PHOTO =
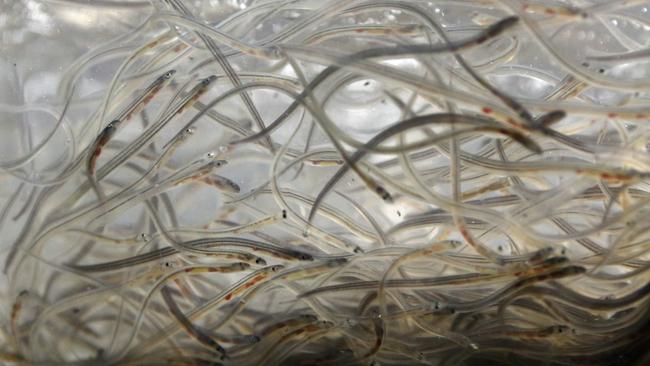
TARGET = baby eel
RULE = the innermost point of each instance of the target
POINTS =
(166, 116)
(449, 280)
(284, 326)
(405, 125)
(136, 105)
(190, 328)
(545, 186)
(236, 267)
(514, 287)
(176, 109)
(292, 274)
(254, 279)
(426, 251)
(162, 253)
(272, 250)
(492, 31)
(301, 332)
(227, 67)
